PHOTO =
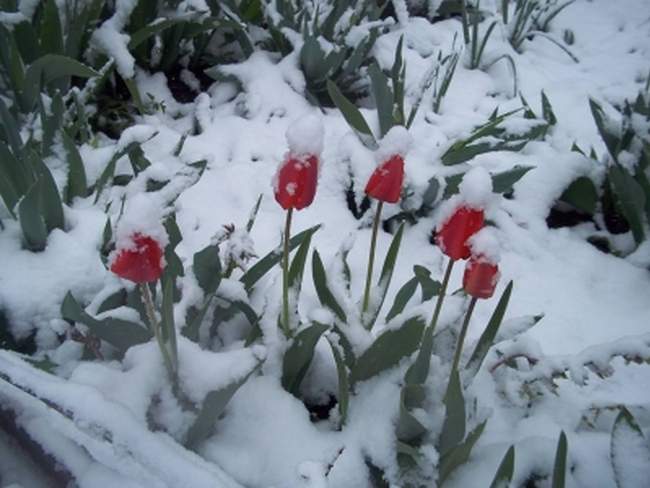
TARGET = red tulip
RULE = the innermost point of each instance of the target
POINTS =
(295, 186)
(385, 183)
(140, 263)
(453, 234)
(480, 277)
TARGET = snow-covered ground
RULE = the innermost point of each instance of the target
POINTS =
(592, 302)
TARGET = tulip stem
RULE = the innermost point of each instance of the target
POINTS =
(371, 257)
(285, 275)
(441, 297)
(150, 310)
(461, 337)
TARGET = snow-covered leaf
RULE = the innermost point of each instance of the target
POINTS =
(503, 476)
(298, 356)
(559, 466)
(213, 406)
(629, 452)
(388, 350)
(323, 291)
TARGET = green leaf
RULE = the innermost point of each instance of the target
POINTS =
(49, 68)
(119, 333)
(10, 129)
(7, 192)
(51, 33)
(344, 384)
(77, 185)
(27, 41)
(582, 195)
(323, 291)
(402, 297)
(559, 467)
(459, 454)
(409, 428)
(388, 350)
(298, 356)
(383, 97)
(207, 269)
(604, 125)
(167, 326)
(631, 197)
(489, 334)
(31, 219)
(264, 265)
(629, 451)
(113, 301)
(297, 267)
(386, 275)
(253, 215)
(453, 428)
(503, 182)
(547, 110)
(50, 200)
(351, 114)
(213, 406)
(430, 287)
(149, 31)
(506, 469)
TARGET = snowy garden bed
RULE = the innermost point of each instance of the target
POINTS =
(190, 206)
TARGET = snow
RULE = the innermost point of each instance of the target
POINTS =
(595, 305)
(397, 141)
(486, 245)
(143, 214)
(305, 135)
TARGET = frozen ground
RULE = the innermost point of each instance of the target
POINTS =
(588, 298)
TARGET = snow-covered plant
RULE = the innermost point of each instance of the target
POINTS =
(333, 40)
(623, 197)
(42, 53)
(532, 18)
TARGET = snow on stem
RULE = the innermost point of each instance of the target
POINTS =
(147, 301)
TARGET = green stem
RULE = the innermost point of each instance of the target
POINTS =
(371, 257)
(155, 327)
(441, 296)
(461, 337)
(285, 275)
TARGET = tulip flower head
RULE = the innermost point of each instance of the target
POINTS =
(141, 261)
(295, 185)
(297, 177)
(453, 234)
(480, 277)
(386, 181)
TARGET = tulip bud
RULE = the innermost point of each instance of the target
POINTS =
(295, 183)
(480, 277)
(386, 181)
(453, 234)
(140, 262)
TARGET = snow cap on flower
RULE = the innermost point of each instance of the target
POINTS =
(143, 214)
(476, 188)
(485, 245)
(397, 141)
(474, 192)
(385, 183)
(305, 135)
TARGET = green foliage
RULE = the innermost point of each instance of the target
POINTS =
(506, 469)
(532, 18)
(298, 356)
(559, 467)
(213, 406)
(121, 334)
